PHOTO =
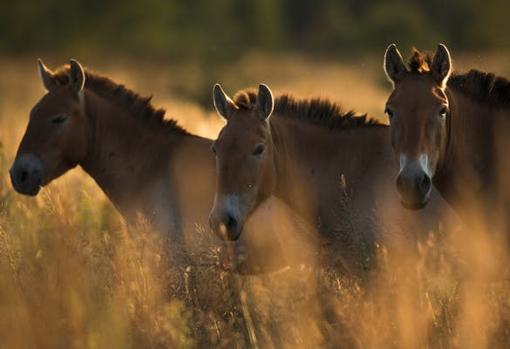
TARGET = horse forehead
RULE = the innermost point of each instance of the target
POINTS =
(245, 118)
(416, 93)
(244, 130)
(46, 106)
(53, 102)
(233, 143)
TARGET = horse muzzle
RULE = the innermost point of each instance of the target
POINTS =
(26, 175)
(225, 225)
(414, 187)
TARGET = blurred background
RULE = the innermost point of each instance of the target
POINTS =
(243, 42)
(70, 274)
(202, 29)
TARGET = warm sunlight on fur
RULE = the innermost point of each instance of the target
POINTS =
(72, 274)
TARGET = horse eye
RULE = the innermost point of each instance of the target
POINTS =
(443, 112)
(58, 119)
(259, 149)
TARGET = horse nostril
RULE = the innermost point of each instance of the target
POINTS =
(230, 223)
(23, 176)
(225, 226)
(425, 184)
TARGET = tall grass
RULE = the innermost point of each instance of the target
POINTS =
(73, 276)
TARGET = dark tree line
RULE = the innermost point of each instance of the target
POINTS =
(226, 27)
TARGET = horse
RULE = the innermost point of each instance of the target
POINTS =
(450, 130)
(149, 167)
(332, 167)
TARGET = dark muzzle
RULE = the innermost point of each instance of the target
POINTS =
(414, 187)
(225, 225)
(26, 175)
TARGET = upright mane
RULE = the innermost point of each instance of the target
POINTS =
(482, 87)
(315, 111)
(419, 62)
(135, 105)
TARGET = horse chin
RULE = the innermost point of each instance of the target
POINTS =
(29, 191)
(236, 236)
(414, 206)
(35, 191)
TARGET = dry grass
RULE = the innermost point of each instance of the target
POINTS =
(72, 276)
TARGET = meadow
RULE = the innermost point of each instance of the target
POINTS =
(73, 276)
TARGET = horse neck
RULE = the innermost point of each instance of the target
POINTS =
(468, 165)
(122, 153)
(306, 153)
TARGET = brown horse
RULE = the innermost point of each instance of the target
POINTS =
(146, 165)
(450, 129)
(333, 167)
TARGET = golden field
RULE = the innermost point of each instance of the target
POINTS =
(73, 276)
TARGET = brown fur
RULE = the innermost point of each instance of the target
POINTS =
(485, 88)
(139, 159)
(135, 105)
(468, 150)
(336, 176)
(149, 167)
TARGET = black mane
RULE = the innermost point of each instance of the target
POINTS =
(134, 104)
(316, 111)
(480, 86)
(483, 87)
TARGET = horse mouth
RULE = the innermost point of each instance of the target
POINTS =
(231, 234)
(29, 189)
(414, 206)
(228, 231)
(27, 174)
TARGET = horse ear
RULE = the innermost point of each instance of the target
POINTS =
(441, 64)
(394, 64)
(47, 77)
(265, 101)
(76, 76)
(224, 106)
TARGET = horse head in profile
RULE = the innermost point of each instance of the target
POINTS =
(418, 110)
(57, 135)
(244, 150)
